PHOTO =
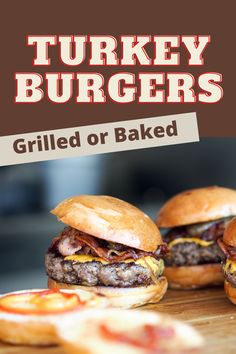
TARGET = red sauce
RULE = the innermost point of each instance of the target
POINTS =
(149, 339)
(40, 302)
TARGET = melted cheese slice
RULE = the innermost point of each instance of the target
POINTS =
(230, 266)
(200, 242)
(157, 266)
(81, 258)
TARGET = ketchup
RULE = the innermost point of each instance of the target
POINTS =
(44, 302)
(150, 339)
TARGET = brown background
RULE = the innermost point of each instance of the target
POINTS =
(19, 19)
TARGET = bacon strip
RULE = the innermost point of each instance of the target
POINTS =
(229, 251)
(209, 231)
(72, 238)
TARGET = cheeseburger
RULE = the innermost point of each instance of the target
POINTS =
(109, 247)
(228, 246)
(195, 219)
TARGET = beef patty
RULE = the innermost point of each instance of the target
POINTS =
(95, 273)
(191, 253)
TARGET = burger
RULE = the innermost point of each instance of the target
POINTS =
(228, 246)
(194, 220)
(109, 247)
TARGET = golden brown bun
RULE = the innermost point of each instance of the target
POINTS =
(27, 333)
(83, 334)
(27, 329)
(122, 297)
(198, 205)
(194, 277)
(110, 219)
(230, 292)
(229, 237)
(33, 329)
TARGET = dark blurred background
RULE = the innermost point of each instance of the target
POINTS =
(145, 178)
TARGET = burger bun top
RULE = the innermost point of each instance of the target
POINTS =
(110, 219)
(198, 205)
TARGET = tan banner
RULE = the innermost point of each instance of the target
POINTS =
(99, 138)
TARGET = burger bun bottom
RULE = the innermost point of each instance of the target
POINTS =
(230, 292)
(122, 297)
(194, 277)
(27, 333)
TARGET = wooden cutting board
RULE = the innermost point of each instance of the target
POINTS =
(209, 311)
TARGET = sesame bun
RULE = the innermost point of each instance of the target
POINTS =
(110, 219)
(35, 328)
(194, 277)
(229, 237)
(126, 332)
(198, 205)
(230, 292)
(122, 297)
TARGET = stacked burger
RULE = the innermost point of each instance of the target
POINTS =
(228, 246)
(110, 247)
(195, 220)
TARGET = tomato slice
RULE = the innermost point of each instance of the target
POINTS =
(43, 302)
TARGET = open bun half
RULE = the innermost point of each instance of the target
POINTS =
(110, 219)
(30, 331)
(122, 297)
(39, 329)
(230, 292)
(197, 205)
(85, 334)
(194, 277)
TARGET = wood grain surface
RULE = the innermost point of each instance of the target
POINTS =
(208, 310)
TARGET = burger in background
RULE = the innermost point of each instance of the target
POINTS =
(228, 246)
(195, 219)
(109, 247)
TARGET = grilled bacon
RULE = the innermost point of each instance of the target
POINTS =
(72, 241)
(229, 251)
(209, 231)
